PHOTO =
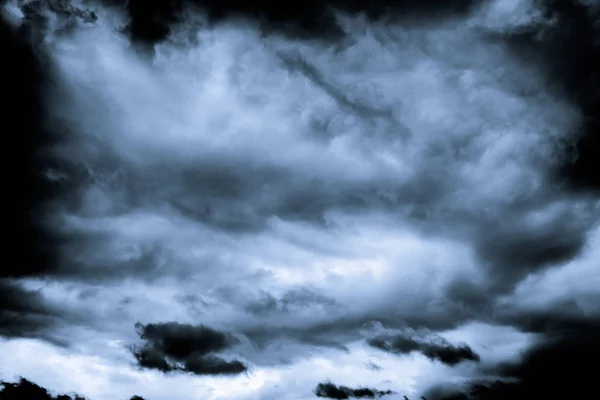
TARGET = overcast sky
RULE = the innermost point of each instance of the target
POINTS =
(243, 213)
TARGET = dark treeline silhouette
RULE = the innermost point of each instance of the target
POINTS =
(27, 390)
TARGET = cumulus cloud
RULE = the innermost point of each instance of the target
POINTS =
(294, 175)
(179, 347)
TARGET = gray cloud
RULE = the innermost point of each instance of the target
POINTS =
(178, 347)
(407, 172)
(435, 348)
(239, 192)
(331, 391)
(290, 302)
(553, 368)
(23, 313)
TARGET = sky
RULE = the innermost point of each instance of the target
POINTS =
(226, 200)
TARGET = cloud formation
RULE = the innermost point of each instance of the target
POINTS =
(25, 313)
(179, 347)
(433, 347)
(295, 174)
(331, 391)
(556, 367)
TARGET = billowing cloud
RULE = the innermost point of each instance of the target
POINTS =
(279, 180)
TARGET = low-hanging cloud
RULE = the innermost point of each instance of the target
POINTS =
(557, 367)
(22, 312)
(178, 347)
(433, 347)
(332, 391)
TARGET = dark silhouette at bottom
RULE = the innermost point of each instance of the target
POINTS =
(27, 390)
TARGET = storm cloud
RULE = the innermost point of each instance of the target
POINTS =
(178, 347)
(554, 368)
(331, 391)
(304, 191)
(23, 313)
(435, 348)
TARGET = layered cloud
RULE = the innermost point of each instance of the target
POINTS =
(331, 391)
(228, 183)
(435, 348)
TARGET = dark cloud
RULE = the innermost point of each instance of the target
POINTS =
(179, 340)
(576, 54)
(34, 10)
(226, 188)
(515, 232)
(82, 262)
(152, 23)
(226, 193)
(559, 366)
(211, 365)
(189, 348)
(331, 391)
(25, 73)
(20, 78)
(336, 331)
(514, 249)
(433, 347)
(332, 332)
(62, 15)
(570, 54)
(23, 313)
